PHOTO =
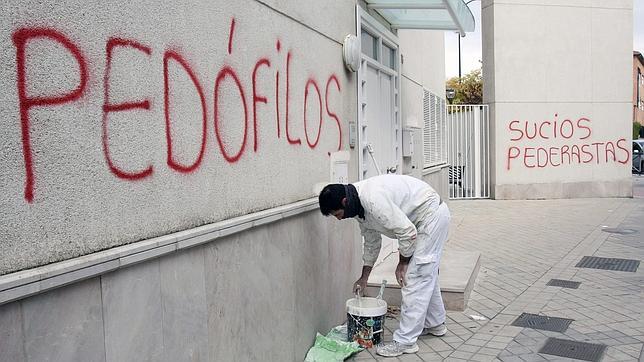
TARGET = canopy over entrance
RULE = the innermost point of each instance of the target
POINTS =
(425, 14)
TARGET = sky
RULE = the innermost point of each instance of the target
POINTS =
(471, 44)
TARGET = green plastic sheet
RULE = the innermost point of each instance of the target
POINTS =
(332, 347)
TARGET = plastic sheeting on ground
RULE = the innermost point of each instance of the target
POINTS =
(332, 347)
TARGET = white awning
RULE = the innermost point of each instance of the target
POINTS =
(425, 14)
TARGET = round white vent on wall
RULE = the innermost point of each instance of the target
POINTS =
(351, 52)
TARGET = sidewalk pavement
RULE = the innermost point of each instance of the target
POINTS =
(523, 245)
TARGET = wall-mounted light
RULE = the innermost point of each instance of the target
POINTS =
(351, 52)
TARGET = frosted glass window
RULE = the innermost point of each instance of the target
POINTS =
(388, 57)
(369, 44)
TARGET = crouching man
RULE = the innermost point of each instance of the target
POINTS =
(407, 209)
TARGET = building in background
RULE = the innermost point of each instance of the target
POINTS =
(638, 90)
(561, 128)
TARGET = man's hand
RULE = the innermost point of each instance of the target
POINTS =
(401, 270)
(359, 286)
(362, 282)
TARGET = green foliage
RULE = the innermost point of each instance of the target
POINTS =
(469, 90)
(636, 130)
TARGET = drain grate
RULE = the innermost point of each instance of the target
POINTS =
(563, 283)
(594, 262)
(542, 322)
(619, 231)
(573, 349)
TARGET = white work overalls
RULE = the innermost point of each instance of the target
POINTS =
(407, 209)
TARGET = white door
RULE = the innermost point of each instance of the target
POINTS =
(378, 106)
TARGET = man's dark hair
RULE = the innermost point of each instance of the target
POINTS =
(331, 198)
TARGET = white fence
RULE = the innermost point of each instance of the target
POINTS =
(468, 151)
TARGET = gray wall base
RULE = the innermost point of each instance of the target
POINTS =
(258, 295)
(564, 190)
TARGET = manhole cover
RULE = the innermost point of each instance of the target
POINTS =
(594, 262)
(619, 231)
(573, 349)
(542, 322)
(563, 283)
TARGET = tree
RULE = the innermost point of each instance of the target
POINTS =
(469, 90)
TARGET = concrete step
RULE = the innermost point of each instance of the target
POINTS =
(458, 271)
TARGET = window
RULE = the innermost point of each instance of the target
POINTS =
(640, 80)
(388, 57)
(434, 130)
(369, 44)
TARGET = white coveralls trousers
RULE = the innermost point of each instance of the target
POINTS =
(422, 304)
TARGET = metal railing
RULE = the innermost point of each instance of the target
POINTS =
(468, 151)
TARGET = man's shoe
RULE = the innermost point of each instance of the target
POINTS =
(437, 331)
(394, 349)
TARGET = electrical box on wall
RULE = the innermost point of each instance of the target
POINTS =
(408, 142)
(340, 167)
(352, 134)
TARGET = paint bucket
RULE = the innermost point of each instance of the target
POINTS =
(366, 320)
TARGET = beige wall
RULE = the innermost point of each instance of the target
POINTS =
(88, 177)
(423, 67)
(557, 76)
(100, 261)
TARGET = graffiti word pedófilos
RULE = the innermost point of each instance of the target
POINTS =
(253, 100)
(576, 147)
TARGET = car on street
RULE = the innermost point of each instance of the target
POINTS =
(638, 155)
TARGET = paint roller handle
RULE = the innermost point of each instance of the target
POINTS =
(382, 289)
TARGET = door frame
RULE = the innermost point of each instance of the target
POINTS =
(375, 28)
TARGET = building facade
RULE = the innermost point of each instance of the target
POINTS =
(561, 127)
(161, 161)
(638, 90)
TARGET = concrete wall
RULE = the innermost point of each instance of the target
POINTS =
(423, 67)
(133, 131)
(126, 120)
(256, 296)
(562, 69)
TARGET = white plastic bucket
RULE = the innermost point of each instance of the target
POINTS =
(365, 320)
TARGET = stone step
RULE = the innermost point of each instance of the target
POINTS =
(458, 271)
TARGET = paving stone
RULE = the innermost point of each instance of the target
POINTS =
(520, 255)
(437, 344)
(430, 356)
(362, 356)
(413, 357)
(460, 354)
(519, 350)
(497, 345)
(489, 351)
(469, 348)
(527, 341)
(511, 359)
(626, 340)
(482, 358)
(503, 339)
(475, 342)
(532, 358)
